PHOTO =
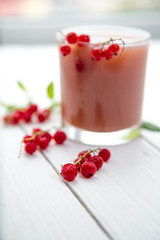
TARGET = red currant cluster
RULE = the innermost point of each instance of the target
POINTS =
(26, 115)
(87, 163)
(107, 53)
(97, 53)
(41, 139)
(73, 38)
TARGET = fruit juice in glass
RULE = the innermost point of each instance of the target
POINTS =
(102, 99)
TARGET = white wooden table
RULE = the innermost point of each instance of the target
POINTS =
(121, 202)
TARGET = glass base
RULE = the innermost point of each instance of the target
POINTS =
(102, 138)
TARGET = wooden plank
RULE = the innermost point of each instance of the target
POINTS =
(151, 111)
(35, 203)
(152, 137)
(124, 195)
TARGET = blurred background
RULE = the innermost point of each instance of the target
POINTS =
(36, 21)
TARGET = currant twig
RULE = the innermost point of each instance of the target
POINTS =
(86, 153)
(60, 31)
(23, 88)
(123, 44)
(20, 150)
(34, 136)
(55, 104)
(27, 139)
(112, 40)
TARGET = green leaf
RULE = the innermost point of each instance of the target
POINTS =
(3, 104)
(132, 134)
(50, 90)
(150, 126)
(21, 86)
(9, 108)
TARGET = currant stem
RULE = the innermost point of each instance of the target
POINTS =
(106, 42)
(113, 40)
(83, 156)
(20, 150)
(33, 137)
(42, 131)
(62, 33)
(23, 88)
(56, 104)
(55, 128)
(123, 43)
(29, 98)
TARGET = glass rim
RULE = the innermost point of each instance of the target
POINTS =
(144, 36)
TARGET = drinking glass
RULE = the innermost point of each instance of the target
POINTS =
(102, 95)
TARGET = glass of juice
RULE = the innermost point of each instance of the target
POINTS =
(102, 71)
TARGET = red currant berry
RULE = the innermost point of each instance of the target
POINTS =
(78, 165)
(69, 172)
(59, 137)
(87, 157)
(114, 48)
(44, 115)
(35, 130)
(41, 117)
(26, 116)
(6, 119)
(33, 108)
(37, 138)
(30, 147)
(84, 38)
(79, 65)
(98, 161)
(97, 54)
(105, 154)
(15, 118)
(72, 37)
(47, 135)
(19, 113)
(65, 50)
(107, 54)
(88, 169)
(26, 138)
(43, 142)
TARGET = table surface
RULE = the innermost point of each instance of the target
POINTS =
(121, 202)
